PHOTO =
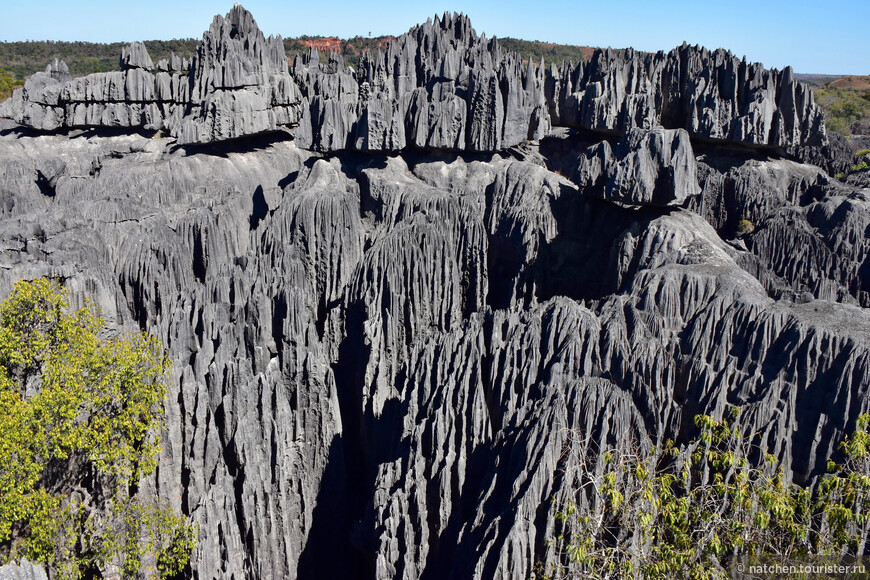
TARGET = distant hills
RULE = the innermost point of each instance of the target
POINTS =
(857, 82)
(845, 100)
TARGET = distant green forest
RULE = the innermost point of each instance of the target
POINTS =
(352, 48)
(552, 53)
(847, 108)
(22, 59)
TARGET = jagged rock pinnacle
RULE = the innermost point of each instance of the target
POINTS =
(439, 86)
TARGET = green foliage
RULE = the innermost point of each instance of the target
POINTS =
(842, 107)
(683, 510)
(23, 59)
(168, 540)
(77, 421)
(745, 226)
(863, 152)
(844, 496)
(551, 53)
(8, 83)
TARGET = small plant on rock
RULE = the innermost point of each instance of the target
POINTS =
(745, 227)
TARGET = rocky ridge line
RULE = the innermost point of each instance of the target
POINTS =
(439, 86)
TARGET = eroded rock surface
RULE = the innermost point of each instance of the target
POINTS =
(387, 365)
(713, 95)
(237, 85)
(647, 167)
(23, 570)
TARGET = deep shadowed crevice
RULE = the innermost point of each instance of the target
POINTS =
(45, 186)
(136, 300)
(349, 372)
(244, 144)
(288, 179)
(279, 315)
(199, 264)
(328, 549)
(260, 208)
(349, 534)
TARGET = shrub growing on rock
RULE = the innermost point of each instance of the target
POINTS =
(78, 415)
(683, 511)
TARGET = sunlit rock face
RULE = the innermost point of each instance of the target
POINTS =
(392, 296)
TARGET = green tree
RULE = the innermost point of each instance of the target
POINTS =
(8, 83)
(78, 417)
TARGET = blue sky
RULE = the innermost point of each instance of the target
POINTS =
(813, 37)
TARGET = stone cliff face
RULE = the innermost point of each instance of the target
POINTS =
(381, 359)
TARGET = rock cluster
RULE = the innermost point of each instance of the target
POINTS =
(131, 98)
(712, 95)
(237, 85)
(439, 86)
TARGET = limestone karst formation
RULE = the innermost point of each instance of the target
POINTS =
(440, 86)
(391, 293)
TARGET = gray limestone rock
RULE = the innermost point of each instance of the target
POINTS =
(713, 95)
(240, 84)
(385, 357)
(24, 570)
(439, 86)
(647, 167)
(389, 365)
(837, 156)
(135, 55)
(237, 85)
(789, 206)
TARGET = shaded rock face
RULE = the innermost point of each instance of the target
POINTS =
(837, 156)
(386, 365)
(648, 167)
